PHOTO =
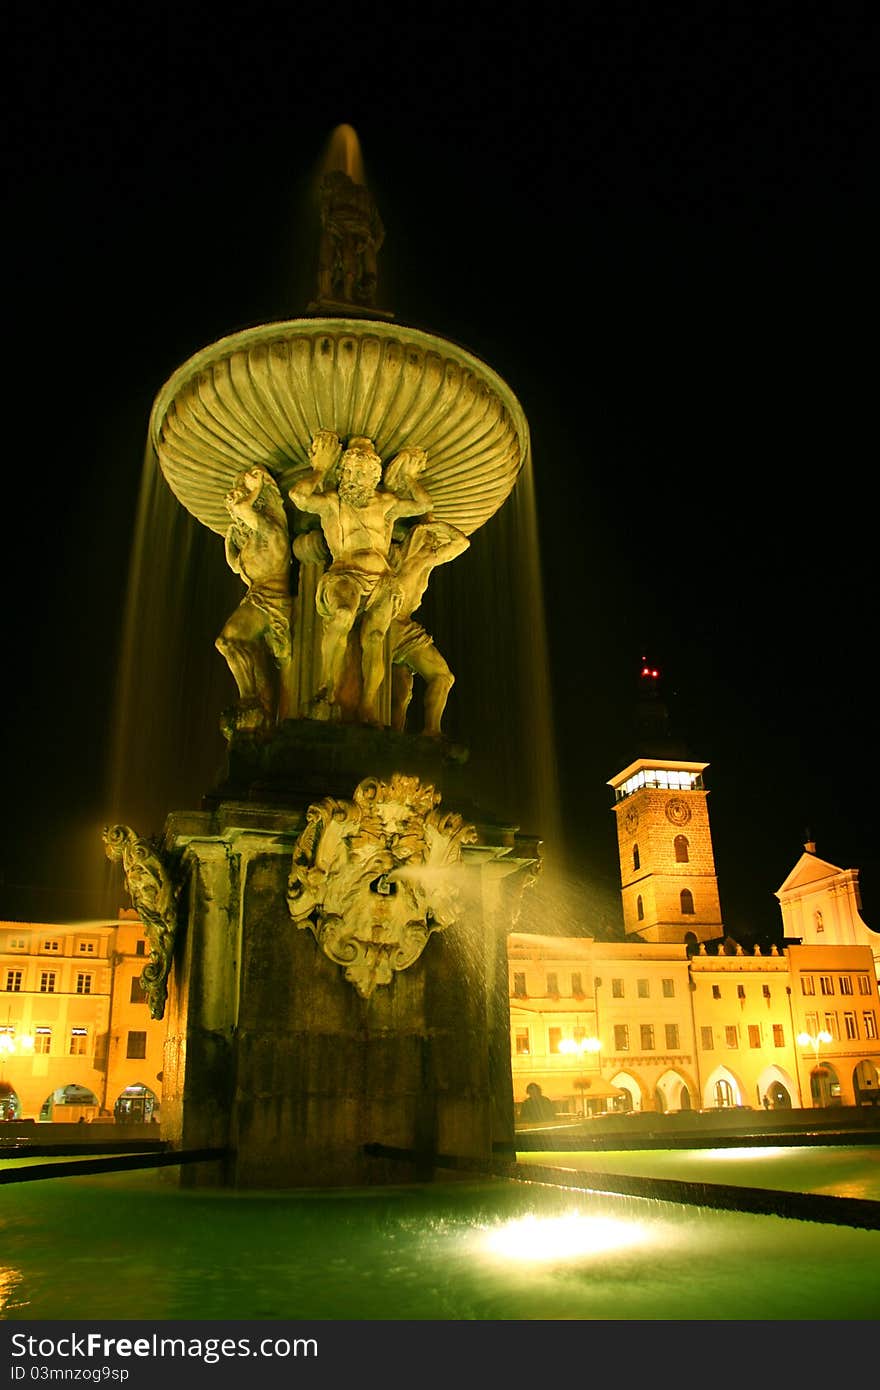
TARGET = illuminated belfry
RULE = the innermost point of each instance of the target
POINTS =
(669, 887)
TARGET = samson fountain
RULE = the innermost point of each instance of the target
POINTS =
(327, 931)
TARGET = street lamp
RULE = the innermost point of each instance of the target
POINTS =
(815, 1040)
(577, 1047)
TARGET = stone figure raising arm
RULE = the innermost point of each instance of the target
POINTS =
(413, 653)
(255, 640)
(357, 517)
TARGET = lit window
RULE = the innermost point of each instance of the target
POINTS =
(47, 982)
(682, 850)
(554, 1038)
(13, 981)
(672, 1041)
(687, 902)
(137, 1045)
(707, 1039)
(668, 989)
(646, 1032)
(778, 1035)
(808, 984)
(617, 989)
(83, 983)
(79, 1038)
(849, 1024)
(621, 1037)
(754, 1035)
(731, 1036)
(521, 1042)
(42, 1041)
(643, 989)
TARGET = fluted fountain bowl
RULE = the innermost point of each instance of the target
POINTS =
(259, 396)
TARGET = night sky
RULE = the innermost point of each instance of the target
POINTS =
(657, 224)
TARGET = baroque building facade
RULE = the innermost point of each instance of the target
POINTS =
(677, 1016)
(76, 1038)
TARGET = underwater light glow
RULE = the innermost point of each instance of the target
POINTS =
(571, 1236)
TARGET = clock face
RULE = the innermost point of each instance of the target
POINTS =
(677, 811)
(631, 820)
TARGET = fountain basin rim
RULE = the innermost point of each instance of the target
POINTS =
(204, 439)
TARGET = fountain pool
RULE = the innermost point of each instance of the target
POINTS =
(133, 1245)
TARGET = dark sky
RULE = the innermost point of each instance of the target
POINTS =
(658, 224)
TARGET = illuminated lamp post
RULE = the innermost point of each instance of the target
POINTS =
(814, 1041)
(577, 1047)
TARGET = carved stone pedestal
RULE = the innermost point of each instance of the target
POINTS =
(310, 1011)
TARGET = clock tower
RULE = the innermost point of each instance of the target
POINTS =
(668, 882)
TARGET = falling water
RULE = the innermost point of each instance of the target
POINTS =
(165, 745)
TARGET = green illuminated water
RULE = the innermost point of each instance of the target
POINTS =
(135, 1246)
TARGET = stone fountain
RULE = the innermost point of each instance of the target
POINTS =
(328, 930)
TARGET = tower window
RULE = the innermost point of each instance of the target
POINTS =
(687, 902)
(640, 908)
(637, 863)
(682, 855)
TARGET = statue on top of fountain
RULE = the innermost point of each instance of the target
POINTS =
(351, 237)
(359, 594)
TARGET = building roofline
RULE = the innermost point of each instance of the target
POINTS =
(663, 764)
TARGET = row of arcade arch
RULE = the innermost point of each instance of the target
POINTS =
(775, 1089)
(137, 1104)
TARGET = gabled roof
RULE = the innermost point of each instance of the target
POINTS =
(809, 870)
